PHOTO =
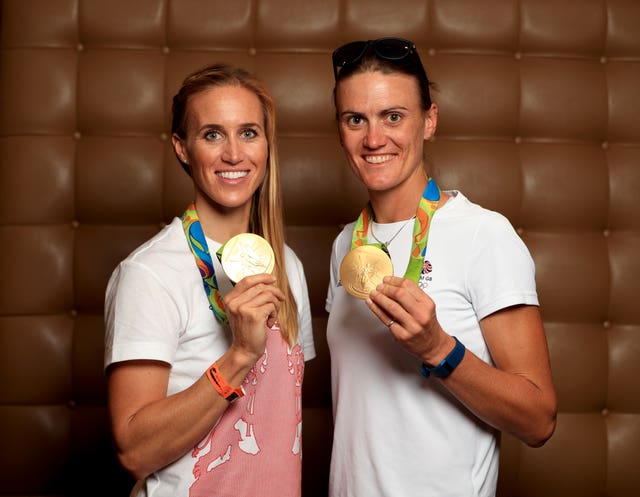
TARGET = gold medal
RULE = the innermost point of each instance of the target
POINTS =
(363, 269)
(246, 254)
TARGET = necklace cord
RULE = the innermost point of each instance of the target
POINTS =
(388, 242)
(429, 202)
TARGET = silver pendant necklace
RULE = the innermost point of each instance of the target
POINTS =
(386, 244)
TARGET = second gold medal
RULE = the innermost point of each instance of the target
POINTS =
(363, 269)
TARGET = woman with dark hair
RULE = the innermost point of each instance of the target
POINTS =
(205, 353)
(434, 331)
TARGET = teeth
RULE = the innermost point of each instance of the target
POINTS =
(232, 174)
(377, 159)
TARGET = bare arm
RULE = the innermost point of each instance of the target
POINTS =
(152, 430)
(517, 395)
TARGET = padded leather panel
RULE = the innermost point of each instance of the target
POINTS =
(539, 119)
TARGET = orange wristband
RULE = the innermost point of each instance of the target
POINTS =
(221, 386)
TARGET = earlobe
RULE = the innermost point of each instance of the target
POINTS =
(178, 148)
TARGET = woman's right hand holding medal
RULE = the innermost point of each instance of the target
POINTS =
(251, 305)
(410, 315)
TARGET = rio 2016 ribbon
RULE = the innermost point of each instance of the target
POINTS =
(427, 207)
(200, 250)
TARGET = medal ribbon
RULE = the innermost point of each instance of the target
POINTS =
(200, 250)
(427, 207)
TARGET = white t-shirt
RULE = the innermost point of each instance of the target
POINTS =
(156, 309)
(396, 433)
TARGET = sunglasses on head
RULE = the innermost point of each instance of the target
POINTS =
(391, 49)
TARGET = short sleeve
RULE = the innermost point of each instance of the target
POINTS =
(142, 320)
(501, 272)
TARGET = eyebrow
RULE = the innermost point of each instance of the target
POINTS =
(251, 125)
(220, 127)
(381, 113)
(394, 109)
(350, 112)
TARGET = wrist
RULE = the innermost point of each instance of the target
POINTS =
(239, 358)
(439, 349)
(220, 384)
(445, 367)
(234, 365)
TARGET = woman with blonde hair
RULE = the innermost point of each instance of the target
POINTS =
(205, 360)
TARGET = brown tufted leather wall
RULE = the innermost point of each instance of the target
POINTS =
(539, 119)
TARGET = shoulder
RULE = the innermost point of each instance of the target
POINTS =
(459, 205)
(164, 245)
(460, 210)
(163, 256)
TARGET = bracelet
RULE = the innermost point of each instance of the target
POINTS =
(448, 364)
(221, 386)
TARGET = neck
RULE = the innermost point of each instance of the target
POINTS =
(398, 203)
(219, 223)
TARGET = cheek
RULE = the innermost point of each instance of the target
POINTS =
(259, 157)
(201, 155)
(257, 149)
(355, 168)
(349, 142)
(418, 145)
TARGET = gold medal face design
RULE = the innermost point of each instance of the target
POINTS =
(363, 269)
(246, 254)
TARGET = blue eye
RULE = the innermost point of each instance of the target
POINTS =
(249, 133)
(212, 135)
(394, 117)
(354, 120)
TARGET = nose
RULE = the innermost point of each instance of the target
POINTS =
(232, 152)
(374, 137)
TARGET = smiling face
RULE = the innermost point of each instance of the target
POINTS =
(225, 146)
(383, 127)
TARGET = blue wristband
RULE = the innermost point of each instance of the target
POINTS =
(448, 364)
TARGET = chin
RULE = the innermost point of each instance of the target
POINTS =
(236, 204)
(378, 184)
(228, 203)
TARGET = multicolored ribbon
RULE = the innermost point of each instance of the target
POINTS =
(428, 205)
(200, 250)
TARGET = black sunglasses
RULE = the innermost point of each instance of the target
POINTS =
(392, 49)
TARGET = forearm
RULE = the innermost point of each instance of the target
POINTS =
(517, 394)
(507, 401)
(162, 430)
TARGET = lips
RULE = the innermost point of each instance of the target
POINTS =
(378, 159)
(232, 174)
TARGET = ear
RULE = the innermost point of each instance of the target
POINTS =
(179, 148)
(430, 121)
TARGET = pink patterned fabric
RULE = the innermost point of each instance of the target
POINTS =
(256, 447)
